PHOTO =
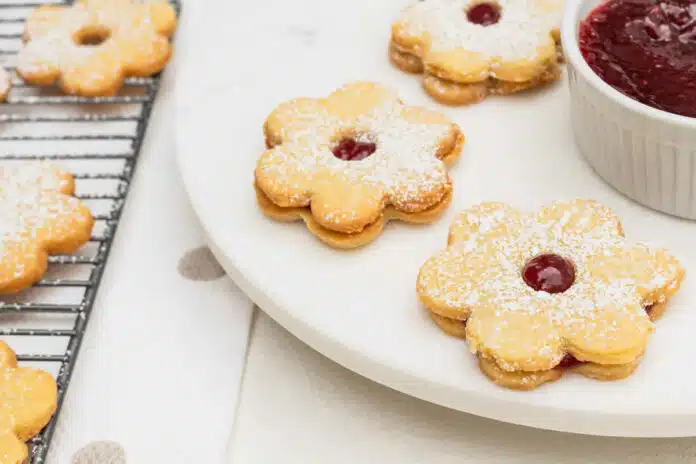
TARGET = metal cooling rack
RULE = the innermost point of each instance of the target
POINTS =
(98, 140)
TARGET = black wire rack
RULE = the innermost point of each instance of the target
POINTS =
(98, 140)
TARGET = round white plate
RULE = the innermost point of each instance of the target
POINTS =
(360, 308)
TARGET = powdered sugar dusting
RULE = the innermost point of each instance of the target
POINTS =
(404, 164)
(53, 37)
(482, 271)
(54, 46)
(524, 25)
(30, 177)
(30, 199)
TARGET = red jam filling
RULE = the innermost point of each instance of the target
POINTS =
(549, 273)
(353, 150)
(646, 49)
(568, 362)
(483, 14)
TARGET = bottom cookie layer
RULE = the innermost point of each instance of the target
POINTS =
(405, 61)
(454, 93)
(349, 241)
(521, 380)
(524, 380)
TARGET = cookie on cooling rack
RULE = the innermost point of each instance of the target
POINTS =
(38, 216)
(538, 294)
(91, 46)
(5, 84)
(468, 49)
(348, 163)
(28, 400)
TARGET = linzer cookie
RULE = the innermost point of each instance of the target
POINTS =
(348, 163)
(538, 294)
(468, 49)
(28, 400)
(38, 216)
(91, 46)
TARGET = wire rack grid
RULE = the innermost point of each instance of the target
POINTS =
(98, 140)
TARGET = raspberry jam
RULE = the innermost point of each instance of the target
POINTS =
(353, 150)
(483, 14)
(568, 362)
(549, 273)
(645, 49)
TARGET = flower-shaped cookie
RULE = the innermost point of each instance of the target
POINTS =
(89, 47)
(27, 402)
(472, 48)
(537, 293)
(38, 216)
(348, 163)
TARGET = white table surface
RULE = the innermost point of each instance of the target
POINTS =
(158, 375)
(299, 407)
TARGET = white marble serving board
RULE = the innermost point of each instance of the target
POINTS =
(360, 308)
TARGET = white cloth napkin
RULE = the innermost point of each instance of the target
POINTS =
(160, 366)
(299, 407)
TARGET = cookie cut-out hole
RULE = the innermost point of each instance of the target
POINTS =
(549, 273)
(484, 13)
(92, 36)
(349, 149)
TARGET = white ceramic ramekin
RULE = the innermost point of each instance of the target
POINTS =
(647, 154)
